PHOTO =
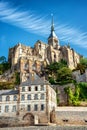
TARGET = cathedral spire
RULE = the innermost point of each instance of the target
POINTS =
(53, 39)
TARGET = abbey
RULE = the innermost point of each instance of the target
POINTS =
(26, 58)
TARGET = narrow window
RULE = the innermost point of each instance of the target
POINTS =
(29, 97)
(6, 108)
(35, 107)
(15, 97)
(28, 108)
(42, 87)
(36, 88)
(29, 88)
(0, 108)
(42, 96)
(36, 96)
(22, 97)
(42, 107)
(14, 108)
(0, 98)
(23, 89)
(7, 98)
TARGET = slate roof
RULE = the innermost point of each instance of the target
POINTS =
(8, 92)
(52, 35)
(34, 80)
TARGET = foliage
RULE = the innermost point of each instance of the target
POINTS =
(17, 78)
(57, 67)
(83, 61)
(2, 59)
(78, 95)
(4, 65)
(6, 85)
(51, 80)
(64, 75)
(82, 65)
(73, 97)
(83, 91)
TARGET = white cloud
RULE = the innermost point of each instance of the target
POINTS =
(40, 25)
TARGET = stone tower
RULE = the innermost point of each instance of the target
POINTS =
(53, 39)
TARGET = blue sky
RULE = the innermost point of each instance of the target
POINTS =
(27, 21)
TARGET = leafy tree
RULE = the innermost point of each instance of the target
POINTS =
(83, 61)
(82, 65)
(64, 74)
(4, 65)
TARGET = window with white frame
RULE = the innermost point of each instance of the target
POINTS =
(29, 97)
(23, 89)
(7, 98)
(42, 87)
(36, 96)
(42, 95)
(29, 108)
(6, 108)
(35, 107)
(14, 108)
(0, 98)
(42, 107)
(22, 97)
(0, 108)
(15, 98)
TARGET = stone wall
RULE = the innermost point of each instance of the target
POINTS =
(84, 127)
(80, 77)
(71, 114)
(61, 95)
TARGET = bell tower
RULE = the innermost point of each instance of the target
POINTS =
(53, 39)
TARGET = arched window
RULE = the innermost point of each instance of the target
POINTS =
(15, 97)
(7, 98)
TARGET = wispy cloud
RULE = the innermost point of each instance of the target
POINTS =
(40, 24)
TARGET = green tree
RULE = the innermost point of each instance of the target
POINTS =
(4, 65)
(82, 65)
(64, 75)
(2, 59)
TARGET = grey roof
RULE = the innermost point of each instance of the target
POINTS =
(8, 92)
(34, 80)
(52, 35)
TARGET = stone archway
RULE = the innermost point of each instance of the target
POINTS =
(29, 117)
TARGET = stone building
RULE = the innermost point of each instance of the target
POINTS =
(34, 96)
(42, 54)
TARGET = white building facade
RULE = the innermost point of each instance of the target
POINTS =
(34, 96)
